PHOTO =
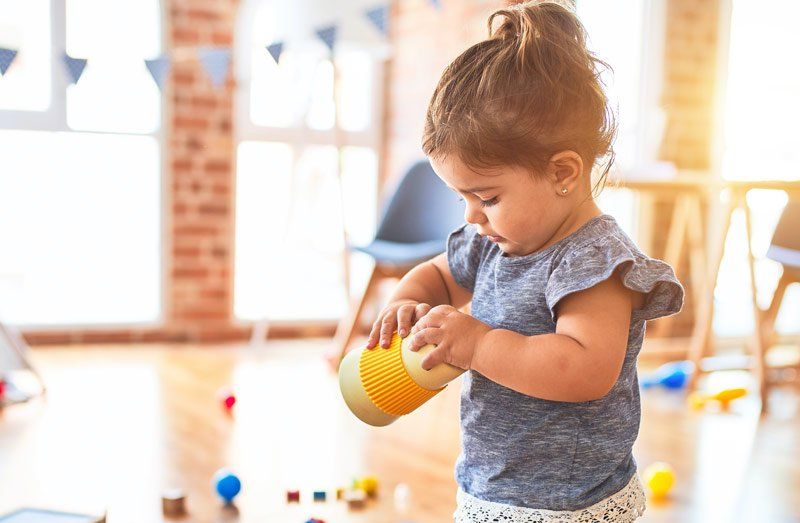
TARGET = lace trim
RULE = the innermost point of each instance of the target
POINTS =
(624, 506)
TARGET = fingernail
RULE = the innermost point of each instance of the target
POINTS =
(402, 332)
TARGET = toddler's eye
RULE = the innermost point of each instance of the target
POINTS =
(489, 202)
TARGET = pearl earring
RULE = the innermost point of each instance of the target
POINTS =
(563, 190)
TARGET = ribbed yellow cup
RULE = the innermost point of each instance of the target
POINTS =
(387, 382)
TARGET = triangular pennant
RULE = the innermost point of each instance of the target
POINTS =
(328, 35)
(437, 4)
(379, 16)
(215, 60)
(275, 51)
(75, 67)
(6, 57)
(158, 67)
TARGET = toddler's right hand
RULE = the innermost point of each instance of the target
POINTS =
(398, 316)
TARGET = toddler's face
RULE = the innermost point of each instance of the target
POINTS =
(509, 205)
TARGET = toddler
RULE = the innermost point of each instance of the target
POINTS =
(559, 293)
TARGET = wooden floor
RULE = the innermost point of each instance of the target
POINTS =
(121, 424)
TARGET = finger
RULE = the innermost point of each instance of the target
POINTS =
(436, 357)
(387, 329)
(421, 310)
(444, 310)
(372, 339)
(404, 315)
(425, 337)
(432, 319)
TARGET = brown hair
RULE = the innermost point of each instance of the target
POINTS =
(530, 90)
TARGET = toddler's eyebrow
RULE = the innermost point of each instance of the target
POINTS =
(476, 189)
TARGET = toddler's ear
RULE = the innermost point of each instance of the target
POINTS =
(565, 171)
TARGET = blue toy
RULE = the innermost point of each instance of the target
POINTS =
(227, 484)
(672, 375)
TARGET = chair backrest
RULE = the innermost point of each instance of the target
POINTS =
(785, 244)
(421, 208)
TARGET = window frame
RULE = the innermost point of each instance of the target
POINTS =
(299, 136)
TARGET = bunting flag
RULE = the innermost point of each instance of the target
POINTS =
(6, 57)
(379, 16)
(437, 4)
(215, 60)
(275, 51)
(328, 35)
(158, 67)
(75, 67)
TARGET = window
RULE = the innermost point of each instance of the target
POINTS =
(634, 55)
(81, 229)
(292, 213)
(760, 142)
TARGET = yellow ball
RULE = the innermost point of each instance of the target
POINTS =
(659, 478)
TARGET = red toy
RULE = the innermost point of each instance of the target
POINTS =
(227, 397)
(293, 496)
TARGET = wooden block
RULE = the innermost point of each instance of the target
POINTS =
(173, 503)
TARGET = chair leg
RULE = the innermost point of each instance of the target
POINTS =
(349, 324)
(771, 314)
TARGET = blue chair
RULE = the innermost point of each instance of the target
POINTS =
(784, 249)
(419, 215)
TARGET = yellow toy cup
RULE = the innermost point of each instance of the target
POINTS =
(380, 385)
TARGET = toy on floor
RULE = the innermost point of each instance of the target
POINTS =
(380, 385)
(672, 375)
(698, 400)
(659, 478)
(355, 498)
(369, 484)
(320, 495)
(293, 496)
(227, 485)
(173, 503)
(226, 397)
(315, 520)
(339, 494)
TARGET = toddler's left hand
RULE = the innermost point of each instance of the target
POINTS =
(456, 335)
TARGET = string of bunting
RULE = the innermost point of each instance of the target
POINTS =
(215, 60)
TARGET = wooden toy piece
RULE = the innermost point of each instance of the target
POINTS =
(226, 397)
(173, 503)
(380, 385)
(320, 495)
(369, 484)
(227, 485)
(315, 520)
(293, 496)
(339, 493)
(355, 498)
(659, 478)
(698, 400)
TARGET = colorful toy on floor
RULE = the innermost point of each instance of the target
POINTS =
(293, 496)
(380, 385)
(227, 484)
(673, 375)
(314, 520)
(659, 478)
(698, 400)
(320, 495)
(355, 498)
(369, 484)
(339, 494)
(173, 503)
(226, 397)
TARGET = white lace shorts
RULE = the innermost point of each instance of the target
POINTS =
(624, 506)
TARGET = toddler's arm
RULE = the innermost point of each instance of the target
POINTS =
(581, 361)
(428, 284)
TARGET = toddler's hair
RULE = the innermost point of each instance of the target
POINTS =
(530, 90)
